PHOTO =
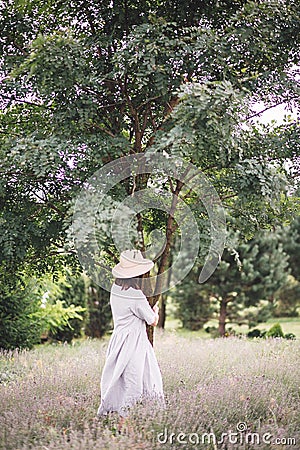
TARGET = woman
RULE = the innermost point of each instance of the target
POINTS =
(131, 370)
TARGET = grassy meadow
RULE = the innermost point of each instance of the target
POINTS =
(220, 394)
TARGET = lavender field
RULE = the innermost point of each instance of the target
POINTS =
(220, 394)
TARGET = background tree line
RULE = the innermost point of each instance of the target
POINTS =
(262, 283)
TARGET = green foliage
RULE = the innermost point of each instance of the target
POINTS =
(275, 331)
(100, 319)
(25, 317)
(288, 299)
(19, 300)
(256, 333)
(51, 317)
(290, 336)
(246, 281)
(63, 60)
(194, 307)
(291, 243)
(264, 268)
(72, 293)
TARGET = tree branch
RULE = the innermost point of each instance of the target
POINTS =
(15, 44)
(89, 19)
(18, 100)
(134, 116)
(171, 185)
(146, 102)
(145, 120)
(52, 206)
(152, 120)
(141, 230)
(170, 230)
(272, 106)
(112, 255)
(228, 196)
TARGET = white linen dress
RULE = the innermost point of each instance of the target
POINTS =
(131, 371)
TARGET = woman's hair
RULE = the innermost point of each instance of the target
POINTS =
(126, 283)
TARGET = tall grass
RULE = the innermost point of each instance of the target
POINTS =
(49, 397)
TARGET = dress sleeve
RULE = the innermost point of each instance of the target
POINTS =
(143, 310)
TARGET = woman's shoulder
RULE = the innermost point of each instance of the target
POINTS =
(129, 293)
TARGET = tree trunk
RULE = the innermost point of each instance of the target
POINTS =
(222, 317)
(163, 297)
(150, 333)
(141, 182)
(162, 312)
(165, 257)
(151, 300)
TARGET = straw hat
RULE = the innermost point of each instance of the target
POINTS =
(132, 263)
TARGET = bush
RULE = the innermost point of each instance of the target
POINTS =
(56, 317)
(18, 300)
(99, 312)
(275, 331)
(256, 333)
(72, 292)
(289, 336)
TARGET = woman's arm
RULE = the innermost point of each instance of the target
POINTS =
(142, 309)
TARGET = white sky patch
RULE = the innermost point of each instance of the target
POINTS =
(277, 113)
(44, 299)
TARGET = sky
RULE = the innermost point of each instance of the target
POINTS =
(277, 113)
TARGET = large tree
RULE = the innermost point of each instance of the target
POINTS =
(86, 82)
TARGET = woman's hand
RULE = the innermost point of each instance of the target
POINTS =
(156, 310)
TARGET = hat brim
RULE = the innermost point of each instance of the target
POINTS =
(130, 272)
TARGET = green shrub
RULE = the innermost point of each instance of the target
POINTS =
(99, 312)
(289, 336)
(72, 292)
(57, 317)
(275, 331)
(256, 333)
(18, 301)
